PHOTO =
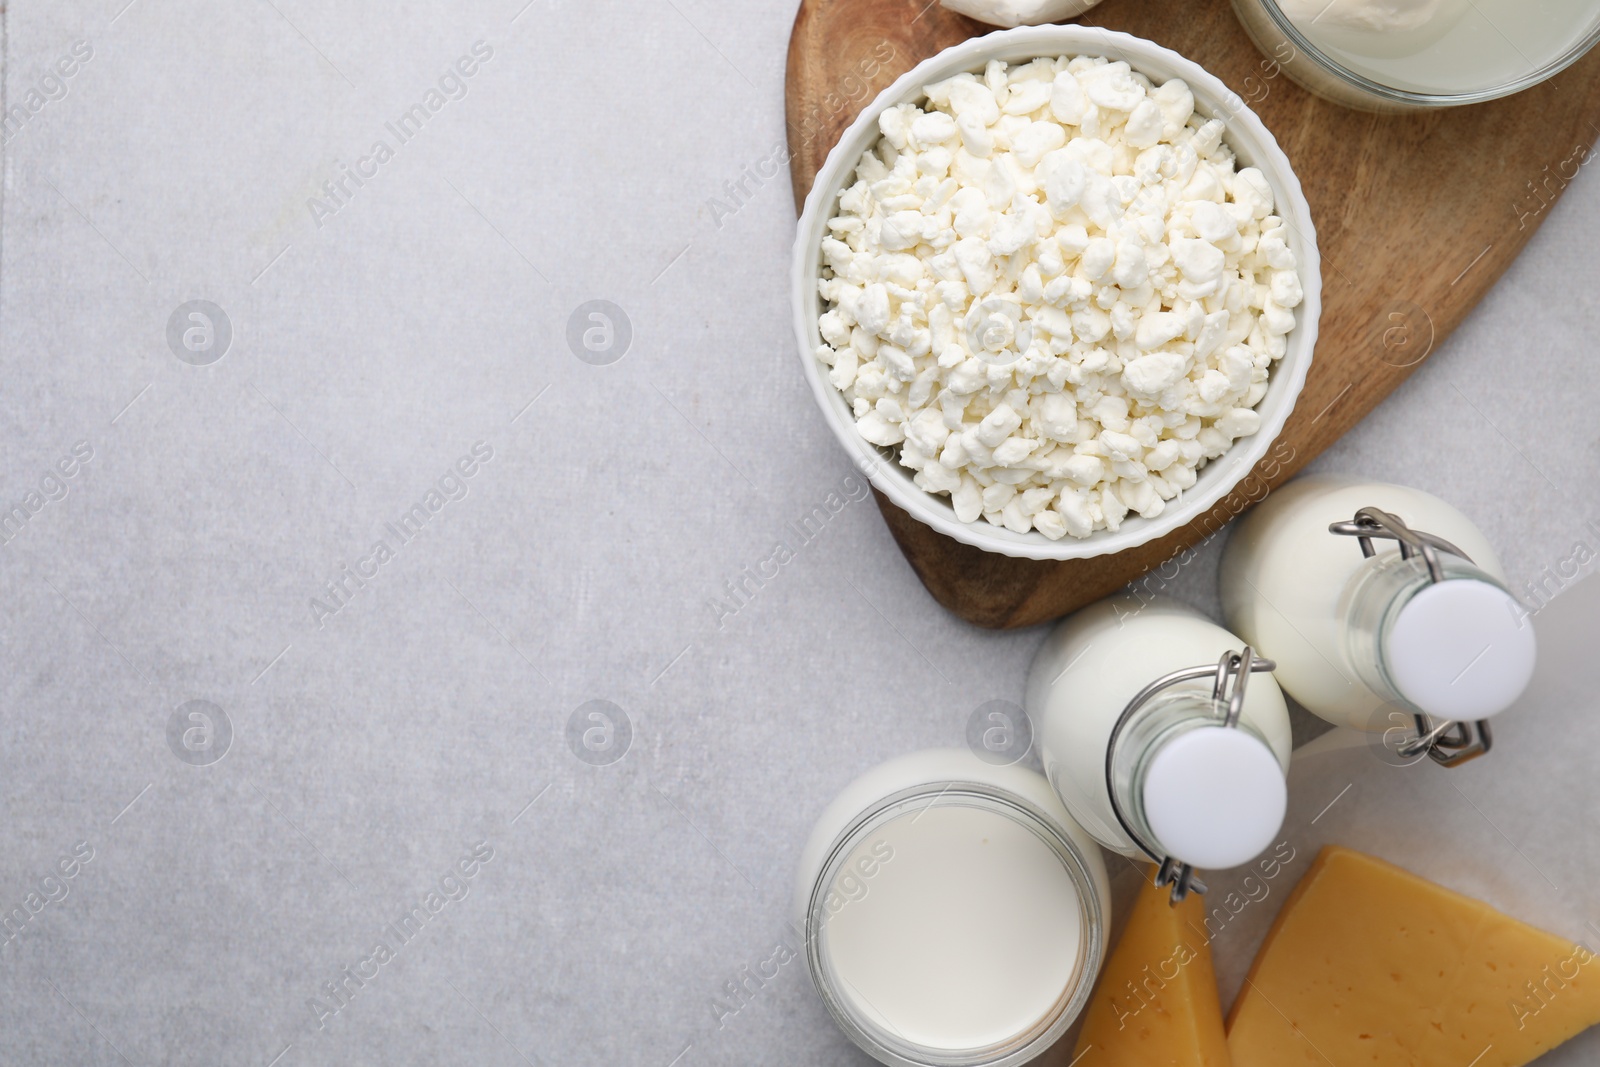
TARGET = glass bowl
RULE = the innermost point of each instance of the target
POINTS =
(1407, 55)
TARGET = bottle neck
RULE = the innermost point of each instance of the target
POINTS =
(1170, 776)
(1394, 640)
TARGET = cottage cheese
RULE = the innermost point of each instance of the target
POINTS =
(1052, 292)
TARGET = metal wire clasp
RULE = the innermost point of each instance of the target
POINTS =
(1449, 743)
(1237, 666)
(1371, 523)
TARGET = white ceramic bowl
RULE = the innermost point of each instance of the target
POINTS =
(1250, 141)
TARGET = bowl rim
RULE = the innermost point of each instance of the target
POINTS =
(1414, 98)
(1289, 373)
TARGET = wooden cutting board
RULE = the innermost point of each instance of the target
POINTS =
(1416, 217)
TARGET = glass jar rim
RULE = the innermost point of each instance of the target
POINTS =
(1411, 98)
(1023, 1047)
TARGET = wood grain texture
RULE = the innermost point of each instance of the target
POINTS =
(1417, 216)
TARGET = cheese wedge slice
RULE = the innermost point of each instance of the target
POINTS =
(1369, 964)
(1156, 1001)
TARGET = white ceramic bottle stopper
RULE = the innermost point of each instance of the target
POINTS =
(1211, 796)
(1458, 649)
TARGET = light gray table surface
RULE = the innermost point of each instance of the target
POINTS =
(377, 338)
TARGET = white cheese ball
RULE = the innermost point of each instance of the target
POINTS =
(1010, 13)
(1055, 294)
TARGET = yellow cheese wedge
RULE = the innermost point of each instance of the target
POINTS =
(1370, 965)
(1156, 1001)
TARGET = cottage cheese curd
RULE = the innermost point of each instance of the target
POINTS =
(1052, 291)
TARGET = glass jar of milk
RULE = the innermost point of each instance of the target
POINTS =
(1152, 741)
(953, 913)
(1389, 55)
(1380, 603)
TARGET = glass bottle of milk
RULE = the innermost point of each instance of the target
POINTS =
(1380, 603)
(1163, 735)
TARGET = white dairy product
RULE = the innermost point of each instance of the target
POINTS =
(1214, 796)
(1441, 47)
(1375, 15)
(1053, 291)
(967, 937)
(953, 912)
(1355, 638)
(1019, 12)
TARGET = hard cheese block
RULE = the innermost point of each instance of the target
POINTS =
(1156, 1003)
(1370, 965)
